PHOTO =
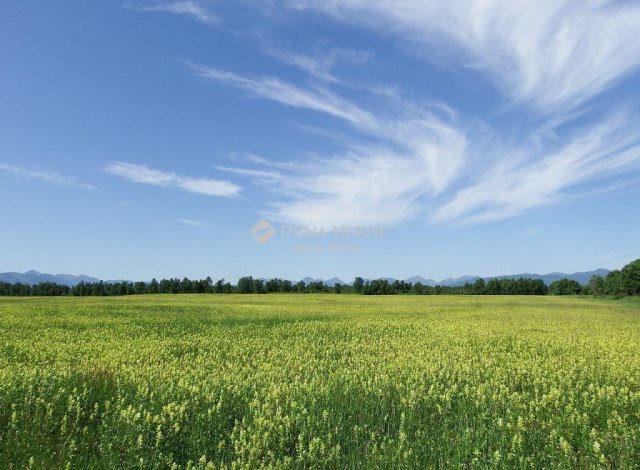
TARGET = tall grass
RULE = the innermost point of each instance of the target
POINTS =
(319, 382)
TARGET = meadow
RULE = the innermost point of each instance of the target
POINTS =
(319, 381)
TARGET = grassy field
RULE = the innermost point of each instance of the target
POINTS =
(303, 381)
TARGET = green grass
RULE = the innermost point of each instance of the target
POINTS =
(326, 381)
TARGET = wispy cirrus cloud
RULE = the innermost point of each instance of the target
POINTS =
(512, 187)
(547, 59)
(320, 62)
(391, 190)
(371, 184)
(410, 153)
(551, 54)
(191, 222)
(145, 175)
(427, 168)
(288, 94)
(531, 231)
(47, 176)
(190, 8)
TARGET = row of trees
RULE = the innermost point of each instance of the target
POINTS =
(44, 288)
(618, 283)
(249, 285)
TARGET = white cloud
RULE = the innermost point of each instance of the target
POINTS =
(52, 177)
(146, 175)
(189, 8)
(531, 231)
(550, 53)
(318, 67)
(288, 94)
(320, 63)
(407, 161)
(257, 174)
(438, 175)
(372, 183)
(512, 187)
(368, 190)
(191, 222)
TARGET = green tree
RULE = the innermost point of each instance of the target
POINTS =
(245, 285)
(259, 287)
(631, 277)
(494, 287)
(358, 285)
(565, 287)
(597, 285)
(614, 284)
(479, 287)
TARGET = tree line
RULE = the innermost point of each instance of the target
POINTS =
(618, 283)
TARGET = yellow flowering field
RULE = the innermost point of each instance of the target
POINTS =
(319, 381)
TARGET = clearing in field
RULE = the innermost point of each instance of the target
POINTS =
(303, 381)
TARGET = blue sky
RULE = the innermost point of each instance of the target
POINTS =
(146, 138)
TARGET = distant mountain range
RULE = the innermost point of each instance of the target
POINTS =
(421, 280)
(327, 282)
(581, 277)
(35, 277)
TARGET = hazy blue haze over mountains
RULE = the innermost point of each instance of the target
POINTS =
(35, 277)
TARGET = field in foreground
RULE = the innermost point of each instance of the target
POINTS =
(302, 381)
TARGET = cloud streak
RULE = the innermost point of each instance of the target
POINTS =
(288, 94)
(512, 188)
(145, 175)
(320, 63)
(190, 222)
(371, 184)
(551, 54)
(188, 8)
(548, 59)
(370, 188)
(52, 177)
(409, 153)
